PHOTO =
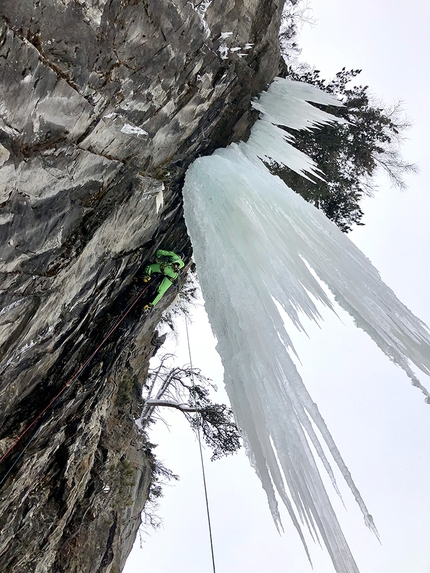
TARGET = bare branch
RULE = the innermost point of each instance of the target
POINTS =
(186, 389)
(169, 404)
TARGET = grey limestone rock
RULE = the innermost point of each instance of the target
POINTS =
(103, 105)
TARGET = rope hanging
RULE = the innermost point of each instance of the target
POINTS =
(67, 386)
(201, 457)
(63, 390)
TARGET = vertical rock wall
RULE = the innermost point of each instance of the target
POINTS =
(103, 105)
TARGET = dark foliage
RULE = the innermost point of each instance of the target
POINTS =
(217, 425)
(348, 154)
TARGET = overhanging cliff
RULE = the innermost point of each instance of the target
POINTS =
(103, 105)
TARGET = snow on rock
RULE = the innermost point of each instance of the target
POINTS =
(133, 130)
(159, 200)
(255, 231)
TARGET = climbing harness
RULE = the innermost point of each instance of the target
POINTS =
(201, 457)
(63, 390)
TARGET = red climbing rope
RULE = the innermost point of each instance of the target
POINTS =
(73, 378)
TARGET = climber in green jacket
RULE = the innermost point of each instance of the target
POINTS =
(168, 263)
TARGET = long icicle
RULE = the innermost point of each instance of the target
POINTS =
(258, 246)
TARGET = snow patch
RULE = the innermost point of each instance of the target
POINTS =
(129, 129)
(224, 50)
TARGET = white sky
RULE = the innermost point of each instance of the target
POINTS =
(379, 421)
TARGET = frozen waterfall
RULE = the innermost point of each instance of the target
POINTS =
(260, 247)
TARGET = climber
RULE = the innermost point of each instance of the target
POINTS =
(168, 263)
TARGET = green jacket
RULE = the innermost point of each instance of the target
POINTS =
(169, 257)
(165, 260)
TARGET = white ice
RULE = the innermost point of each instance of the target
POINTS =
(159, 200)
(258, 245)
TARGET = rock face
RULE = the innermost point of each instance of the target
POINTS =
(103, 105)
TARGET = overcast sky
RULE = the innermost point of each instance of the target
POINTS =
(378, 420)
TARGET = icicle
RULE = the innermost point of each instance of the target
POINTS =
(268, 246)
(159, 200)
(270, 143)
(286, 103)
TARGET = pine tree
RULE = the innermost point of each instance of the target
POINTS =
(350, 153)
